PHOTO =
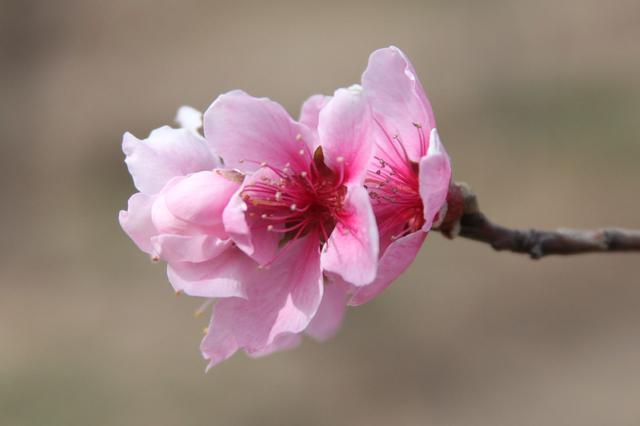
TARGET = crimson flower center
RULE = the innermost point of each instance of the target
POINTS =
(296, 203)
(394, 187)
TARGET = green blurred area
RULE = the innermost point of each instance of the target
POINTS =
(537, 103)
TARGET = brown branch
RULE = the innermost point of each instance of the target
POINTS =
(464, 219)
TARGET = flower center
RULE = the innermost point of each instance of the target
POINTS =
(296, 203)
(393, 185)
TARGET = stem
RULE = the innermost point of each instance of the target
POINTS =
(465, 219)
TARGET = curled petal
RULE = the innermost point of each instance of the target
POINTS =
(136, 221)
(188, 248)
(201, 198)
(352, 249)
(435, 176)
(226, 275)
(257, 242)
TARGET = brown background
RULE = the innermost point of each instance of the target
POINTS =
(537, 103)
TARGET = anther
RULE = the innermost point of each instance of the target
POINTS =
(293, 207)
(278, 196)
(270, 228)
(298, 137)
(303, 174)
(301, 152)
(340, 159)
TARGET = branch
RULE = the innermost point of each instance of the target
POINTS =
(464, 219)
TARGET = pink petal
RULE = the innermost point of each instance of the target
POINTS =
(281, 343)
(136, 221)
(280, 301)
(343, 130)
(223, 276)
(257, 242)
(187, 248)
(168, 223)
(246, 131)
(397, 98)
(330, 313)
(311, 110)
(395, 260)
(220, 342)
(201, 198)
(352, 249)
(189, 118)
(166, 153)
(435, 176)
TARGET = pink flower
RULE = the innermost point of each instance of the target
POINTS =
(409, 178)
(301, 213)
(281, 223)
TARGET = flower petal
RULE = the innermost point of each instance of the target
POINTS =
(188, 248)
(189, 118)
(257, 242)
(343, 129)
(352, 249)
(397, 98)
(280, 343)
(280, 301)
(435, 176)
(395, 260)
(219, 343)
(136, 221)
(246, 131)
(330, 313)
(223, 276)
(166, 153)
(201, 197)
(311, 110)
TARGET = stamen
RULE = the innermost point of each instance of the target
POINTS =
(203, 308)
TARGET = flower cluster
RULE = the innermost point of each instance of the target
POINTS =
(283, 223)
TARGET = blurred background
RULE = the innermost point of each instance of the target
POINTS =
(537, 103)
